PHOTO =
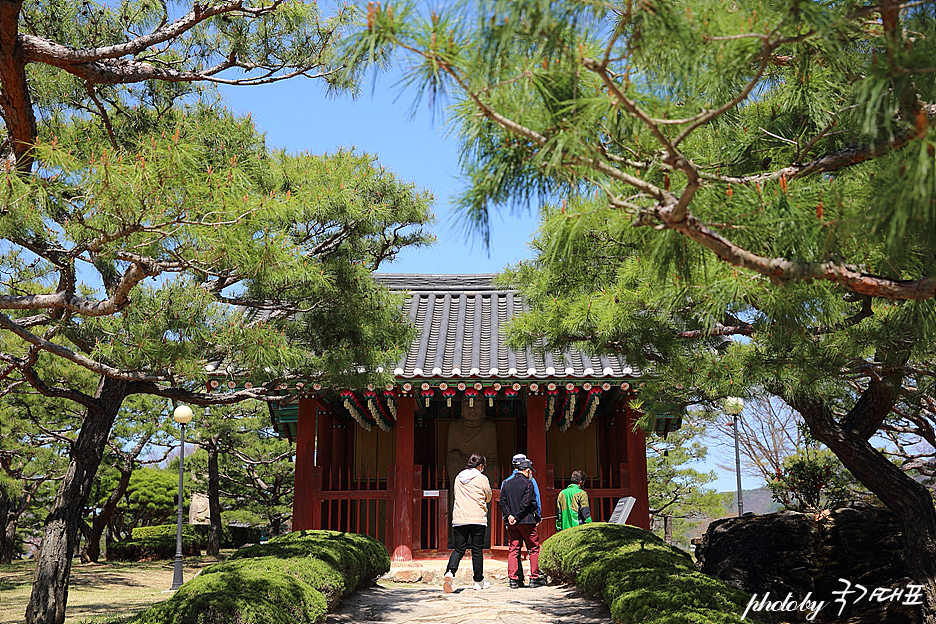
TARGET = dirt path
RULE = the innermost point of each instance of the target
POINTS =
(426, 604)
(97, 589)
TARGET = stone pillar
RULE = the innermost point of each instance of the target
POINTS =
(403, 507)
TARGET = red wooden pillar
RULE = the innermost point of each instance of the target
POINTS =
(536, 438)
(305, 461)
(621, 437)
(403, 507)
(637, 473)
(325, 429)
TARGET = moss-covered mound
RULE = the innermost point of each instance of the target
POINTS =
(293, 578)
(639, 576)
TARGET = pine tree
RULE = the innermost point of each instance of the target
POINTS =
(742, 197)
(185, 248)
(679, 498)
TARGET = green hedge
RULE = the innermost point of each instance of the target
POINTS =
(293, 578)
(152, 548)
(641, 578)
(231, 536)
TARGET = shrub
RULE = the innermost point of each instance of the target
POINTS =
(151, 549)
(641, 578)
(242, 594)
(231, 536)
(358, 558)
(811, 482)
(292, 578)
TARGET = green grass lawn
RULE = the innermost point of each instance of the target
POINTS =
(98, 589)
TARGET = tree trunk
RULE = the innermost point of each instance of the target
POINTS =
(214, 502)
(668, 529)
(7, 530)
(61, 534)
(15, 101)
(92, 551)
(908, 499)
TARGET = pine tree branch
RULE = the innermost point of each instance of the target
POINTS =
(841, 159)
(782, 270)
(140, 269)
(46, 51)
(730, 330)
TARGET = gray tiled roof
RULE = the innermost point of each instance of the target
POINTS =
(460, 320)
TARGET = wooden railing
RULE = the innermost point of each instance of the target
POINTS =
(352, 505)
(365, 505)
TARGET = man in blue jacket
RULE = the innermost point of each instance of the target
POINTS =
(515, 461)
(519, 508)
(519, 457)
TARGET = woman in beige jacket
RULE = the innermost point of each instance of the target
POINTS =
(469, 520)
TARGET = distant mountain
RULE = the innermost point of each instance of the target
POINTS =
(757, 501)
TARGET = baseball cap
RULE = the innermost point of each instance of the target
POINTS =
(519, 457)
(524, 464)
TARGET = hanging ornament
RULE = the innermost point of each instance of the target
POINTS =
(470, 394)
(569, 407)
(427, 392)
(552, 395)
(356, 410)
(512, 391)
(377, 409)
(448, 393)
(589, 407)
(391, 395)
(490, 393)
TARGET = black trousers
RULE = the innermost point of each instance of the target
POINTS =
(468, 535)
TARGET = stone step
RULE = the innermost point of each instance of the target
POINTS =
(430, 572)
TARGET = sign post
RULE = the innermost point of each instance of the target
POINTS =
(622, 510)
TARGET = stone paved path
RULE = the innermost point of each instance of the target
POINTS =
(428, 604)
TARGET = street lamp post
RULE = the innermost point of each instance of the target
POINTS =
(182, 415)
(734, 406)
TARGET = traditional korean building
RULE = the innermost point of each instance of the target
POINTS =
(373, 460)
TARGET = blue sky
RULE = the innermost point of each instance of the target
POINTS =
(295, 115)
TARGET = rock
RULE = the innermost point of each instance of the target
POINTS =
(408, 575)
(796, 553)
(198, 509)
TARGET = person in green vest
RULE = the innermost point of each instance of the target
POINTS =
(572, 504)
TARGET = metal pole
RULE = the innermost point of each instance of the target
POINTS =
(737, 455)
(177, 572)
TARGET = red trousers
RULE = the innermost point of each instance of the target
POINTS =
(517, 535)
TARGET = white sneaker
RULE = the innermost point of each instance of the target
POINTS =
(482, 585)
(447, 584)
